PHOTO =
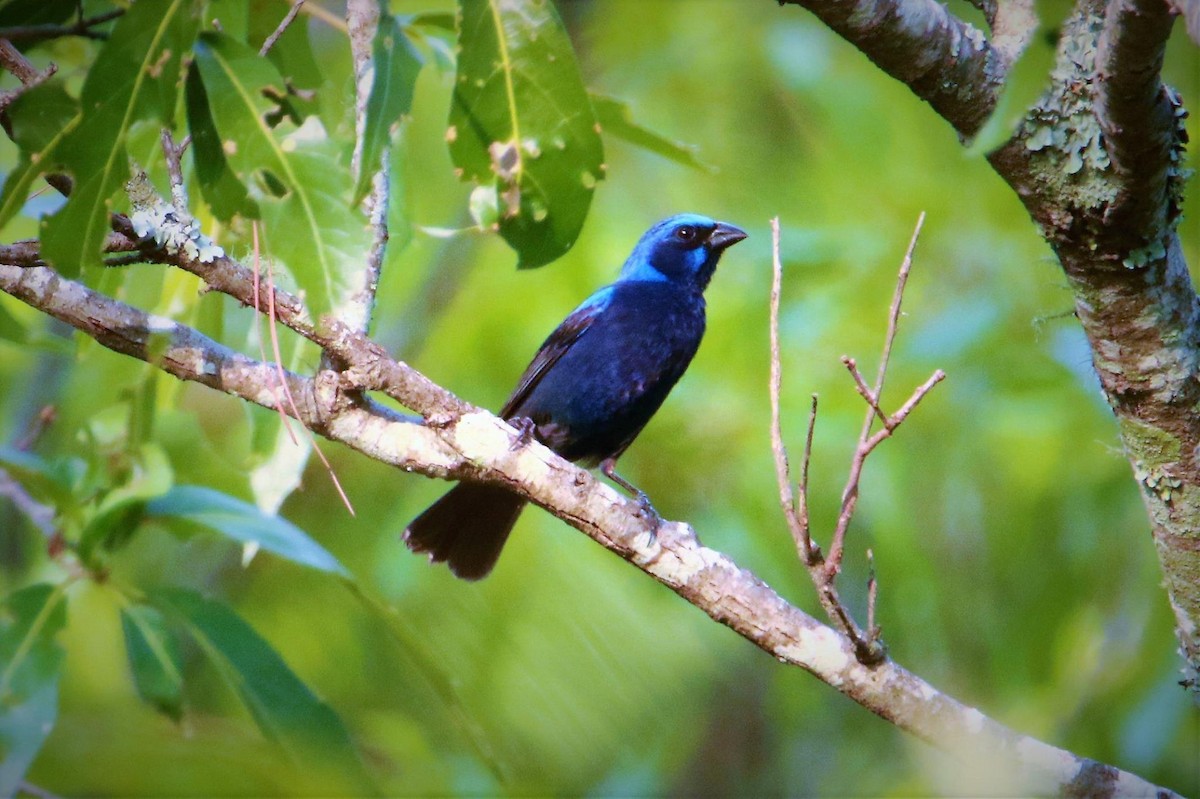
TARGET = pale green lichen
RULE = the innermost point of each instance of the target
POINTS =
(1061, 130)
(1154, 453)
(154, 218)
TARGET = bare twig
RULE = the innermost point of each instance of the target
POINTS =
(281, 28)
(271, 320)
(28, 252)
(81, 27)
(12, 60)
(873, 631)
(362, 22)
(872, 396)
(782, 471)
(894, 314)
(810, 551)
(864, 390)
(174, 153)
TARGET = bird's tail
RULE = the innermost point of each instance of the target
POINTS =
(466, 528)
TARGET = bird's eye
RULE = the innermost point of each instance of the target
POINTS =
(685, 233)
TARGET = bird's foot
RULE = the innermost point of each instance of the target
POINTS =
(526, 428)
(647, 511)
(608, 467)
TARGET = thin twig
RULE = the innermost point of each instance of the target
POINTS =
(81, 27)
(873, 631)
(864, 390)
(811, 552)
(12, 60)
(281, 28)
(174, 153)
(783, 474)
(833, 563)
(894, 314)
(45, 417)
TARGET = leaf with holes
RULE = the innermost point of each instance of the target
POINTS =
(520, 120)
(295, 175)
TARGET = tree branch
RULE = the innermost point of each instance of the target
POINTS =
(362, 20)
(465, 442)
(81, 27)
(945, 61)
(1138, 113)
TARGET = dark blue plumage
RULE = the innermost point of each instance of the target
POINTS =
(594, 383)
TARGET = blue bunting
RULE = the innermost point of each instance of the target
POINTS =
(594, 383)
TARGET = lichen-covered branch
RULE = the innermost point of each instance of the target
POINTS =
(460, 441)
(1138, 115)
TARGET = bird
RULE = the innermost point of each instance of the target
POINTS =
(593, 385)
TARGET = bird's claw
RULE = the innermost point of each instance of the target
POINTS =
(647, 510)
(525, 428)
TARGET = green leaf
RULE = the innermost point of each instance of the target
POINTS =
(51, 482)
(30, 666)
(244, 522)
(224, 193)
(135, 76)
(153, 659)
(311, 227)
(42, 119)
(617, 120)
(284, 708)
(396, 68)
(520, 118)
(120, 511)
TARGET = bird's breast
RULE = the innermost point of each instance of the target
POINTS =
(610, 382)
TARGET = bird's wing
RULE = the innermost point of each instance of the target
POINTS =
(554, 347)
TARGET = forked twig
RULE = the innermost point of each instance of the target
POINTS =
(281, 28)
(866, 443)
(868, 646)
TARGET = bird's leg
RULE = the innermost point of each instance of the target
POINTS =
(608, 468)
(526, 428)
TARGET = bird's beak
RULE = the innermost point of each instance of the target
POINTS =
(725, 235)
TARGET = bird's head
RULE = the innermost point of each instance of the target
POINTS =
(683, 248)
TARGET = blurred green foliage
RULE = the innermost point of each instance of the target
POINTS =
(1015, 564)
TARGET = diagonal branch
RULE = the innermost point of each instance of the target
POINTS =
(474, 444)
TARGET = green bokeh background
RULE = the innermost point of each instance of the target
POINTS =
(1015, 563)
